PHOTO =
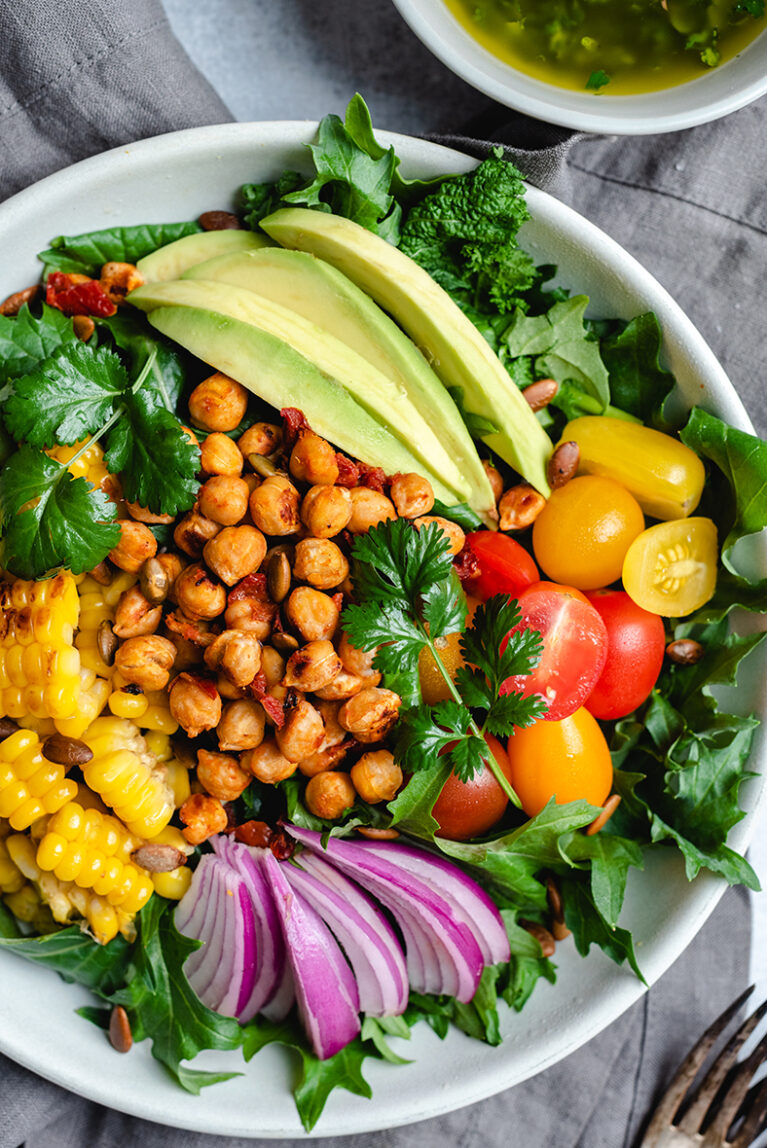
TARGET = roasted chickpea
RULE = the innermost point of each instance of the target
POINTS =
(303, 732)
(494, 477)
(218, 403)
(358, 662)
(137, 543)
(203, 817)
(193, 531)
(236, 655)
(451, 530)
(134, 615)
(242, 725)
(252, 615)
(261, 438)
(314, 614)
(195, 703)
(172, 566)
(370, 714)
(272, 666)
(312, 667)
(221, 776)
(146, 661)
(224, 499)
(235, 552)
(220, 455)
(313, 460)
(326, 510)
(274, 506)
(376, 776)
(344, 685)
(267, 764)
(368, 509)
(329, 794)
(187, 653)
(117, 279)
(320, 562)
(228, 690)
(199, 595)
(412, 495)
(334, 731)
(141, 514)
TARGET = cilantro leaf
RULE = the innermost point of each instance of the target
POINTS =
(26, 339)
(85, 254)
(168, 373)
(51, 519)
(65, 397)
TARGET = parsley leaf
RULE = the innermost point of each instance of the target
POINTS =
(51, 519)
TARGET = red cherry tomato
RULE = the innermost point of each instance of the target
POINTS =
(466, 809)
(635, 646)
(505, 566)
(574, 648)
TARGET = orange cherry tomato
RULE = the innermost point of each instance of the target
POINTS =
(566, 760)
(467, 809)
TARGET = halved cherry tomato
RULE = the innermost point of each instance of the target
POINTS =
(505, 566)
(466, 809)
(574, 647)
(636, 642)
(670, 569)
(566, 760)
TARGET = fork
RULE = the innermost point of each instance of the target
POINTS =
(702, 1117)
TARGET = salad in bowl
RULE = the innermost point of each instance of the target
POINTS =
(366, 611)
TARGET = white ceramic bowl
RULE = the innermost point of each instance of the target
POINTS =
(176, 177)
(716, 93)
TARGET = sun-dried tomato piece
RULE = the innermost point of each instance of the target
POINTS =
(273, 708)
(255, 833)
(258, 686)
(348, 471)
(78, 295)
(281, 845)
(373, 477)
(466, 564)
(251, 586)
(293, 421)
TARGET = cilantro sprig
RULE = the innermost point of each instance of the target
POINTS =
(408, 599)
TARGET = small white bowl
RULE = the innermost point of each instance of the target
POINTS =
(715, 94)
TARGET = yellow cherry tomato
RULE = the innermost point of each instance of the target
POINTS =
(582, 534)
(663, 474)
(566, 760)
(433, 685)
(670, 569)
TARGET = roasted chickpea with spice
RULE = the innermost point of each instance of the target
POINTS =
(274, 506)
(224, 499)
(344, 685)
(218, 403)
(220, 775)
(195, 703)
(235, 552)
(261, 438)
(235, 654)
(312, 667)
(323, 760)
(193, 531)
(320, 562)
(272, 666)
(117, 279)
(198, 594)
(370, 714)
(203, 817)
(134, 615)
(451, 530)
(326, 510)
(329, 794)
(146, 661)
(314, 614)
(313, 460)
(141, 514)
(412, 495)
(369, 507)
(303, 732)
(376, 776)
(358, 662)
(137, 543)
(267, 764)
(220, 455)
(242, 725)
(254, 615)
(171, 565)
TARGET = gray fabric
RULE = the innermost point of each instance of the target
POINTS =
(82, 75)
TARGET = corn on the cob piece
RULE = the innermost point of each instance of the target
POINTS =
(98, 604)
(94, 692)
(11, 877)
(125, 775)
(30, 785)
(176, 774)
(39, 665)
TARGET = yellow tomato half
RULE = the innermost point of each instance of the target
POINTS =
(566, 760)
(670, 569)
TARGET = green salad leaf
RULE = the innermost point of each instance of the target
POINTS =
(85, 254)
(71, 953)
(639, 384)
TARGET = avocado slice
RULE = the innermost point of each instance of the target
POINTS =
(383, 399)
(320, 293)
(277, 373)
(453, 345)
(169, 261)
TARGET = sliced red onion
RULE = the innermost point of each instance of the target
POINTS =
(367, 938)
(284, 997)
(326, 992)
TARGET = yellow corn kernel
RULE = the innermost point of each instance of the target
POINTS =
(24, 902)
(177, 777)
(173, 885)
(159, 745)
(30, 785)
(159, 719)
(128, 705)
(127, 776)
(94, 692)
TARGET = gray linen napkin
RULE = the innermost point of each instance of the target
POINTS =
(76, 78)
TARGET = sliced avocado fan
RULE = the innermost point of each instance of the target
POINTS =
(383, 399)
(320, 293)
(169, 261)
(455, 348)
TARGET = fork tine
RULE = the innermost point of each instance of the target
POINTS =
(755, 1111)
(687, 1071)
(730, 1103)
(693, 1117)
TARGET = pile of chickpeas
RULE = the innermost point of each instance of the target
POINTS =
(240, 620)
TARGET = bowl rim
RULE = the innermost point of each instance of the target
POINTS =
(452, 44)
(701, 897)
